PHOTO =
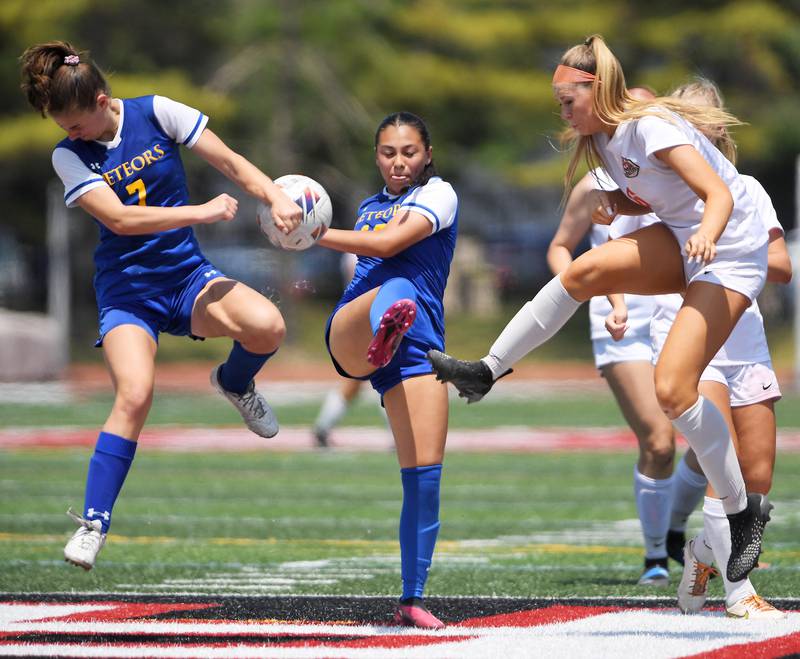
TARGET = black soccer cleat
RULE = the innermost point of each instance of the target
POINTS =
(675, 543)
(747, 529)
(473, 380)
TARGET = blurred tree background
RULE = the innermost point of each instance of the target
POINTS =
(300, 85)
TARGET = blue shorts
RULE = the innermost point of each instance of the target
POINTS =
(170, 312)
(409, 360)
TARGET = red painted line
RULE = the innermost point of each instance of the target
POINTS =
(235, 439)
(780, 646)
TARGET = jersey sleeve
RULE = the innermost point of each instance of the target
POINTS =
(181, 122)
(658, 133)
(77, 178)
(436, 200)
(763, 203)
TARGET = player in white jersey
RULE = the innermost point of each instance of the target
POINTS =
(741, 382)
(710, 242)
(627, 366)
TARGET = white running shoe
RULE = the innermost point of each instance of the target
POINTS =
(754, 607)
(693, 588)
(256, 413)
(85, 543)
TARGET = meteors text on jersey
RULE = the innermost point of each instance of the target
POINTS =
(134, 165)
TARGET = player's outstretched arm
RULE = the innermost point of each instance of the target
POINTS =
(286, 214)
(123, 220)
(402, 231)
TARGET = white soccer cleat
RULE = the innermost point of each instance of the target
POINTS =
(754, 607)
(85, 543)
(693, 588)
(256, 413)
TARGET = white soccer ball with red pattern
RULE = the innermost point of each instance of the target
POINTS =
(317, 213)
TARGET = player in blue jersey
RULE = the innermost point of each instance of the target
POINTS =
(121, 163)
(389, 316)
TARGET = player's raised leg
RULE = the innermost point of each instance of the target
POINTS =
(228, 308)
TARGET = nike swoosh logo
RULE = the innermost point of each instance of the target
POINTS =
(765, 387)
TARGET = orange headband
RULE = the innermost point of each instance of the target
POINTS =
(571, 74)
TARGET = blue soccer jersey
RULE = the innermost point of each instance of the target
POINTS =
(142, 165)
(425, 263)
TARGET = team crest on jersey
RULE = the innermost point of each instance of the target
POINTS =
(630, 168)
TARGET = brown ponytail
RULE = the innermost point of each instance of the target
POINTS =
(57, 78)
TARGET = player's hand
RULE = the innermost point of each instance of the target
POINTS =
(700, 248)
(286, 214)
(221, 208)
(617, 323)
(603, 210)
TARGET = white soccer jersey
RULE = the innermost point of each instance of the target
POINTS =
(629, 158)
(640, 307)
(747, 343)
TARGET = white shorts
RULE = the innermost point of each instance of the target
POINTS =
(744, 274)
(747, 383)
(629, 349)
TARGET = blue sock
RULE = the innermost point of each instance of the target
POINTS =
(419, 526)
(107, 471)
(389, 293)
(240, 368)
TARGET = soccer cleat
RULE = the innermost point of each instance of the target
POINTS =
(256, 413)
(473, 380)
(754, 607)
(85, 543)
(693, 588)
(321, 438)
(675, 544)
(412, 613)
(395, 322)
(655, 573)
(747, 529)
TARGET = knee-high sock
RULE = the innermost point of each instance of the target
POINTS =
(332, 411)
(240, 368)
(389, 293)
(707, 433)
(688, 488)
(717, 533)
(419, 525)
(535, 323)
(652, 502)
(108, 468)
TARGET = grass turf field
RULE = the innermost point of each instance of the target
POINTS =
(513, 524)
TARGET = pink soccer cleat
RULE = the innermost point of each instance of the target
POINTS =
(395, 322)
(416, 615)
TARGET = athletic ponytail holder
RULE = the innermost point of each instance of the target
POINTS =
(72, 60)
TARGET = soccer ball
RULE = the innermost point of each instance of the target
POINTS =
(317, 213)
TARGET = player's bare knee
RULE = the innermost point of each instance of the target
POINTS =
(581, 279)
(659, 454)
(264, 334)
(134, 401)
(673, 397)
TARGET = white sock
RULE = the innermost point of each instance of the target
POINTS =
(701, 549)
(688, 488)
(331, 412)
(707, 433)
(537, 321)
(652, 501)
(718, 534)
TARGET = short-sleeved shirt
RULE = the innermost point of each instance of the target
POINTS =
(629, 158)
(142, 165)
(426, 264)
